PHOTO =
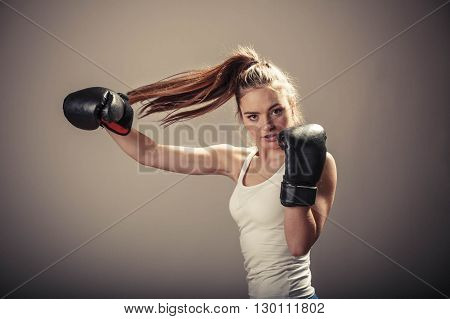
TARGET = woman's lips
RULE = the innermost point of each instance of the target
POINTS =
(270, 137)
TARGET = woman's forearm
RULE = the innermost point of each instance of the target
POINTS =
(135, 144)
(300, 229)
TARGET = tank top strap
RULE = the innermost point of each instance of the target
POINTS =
(247, 161)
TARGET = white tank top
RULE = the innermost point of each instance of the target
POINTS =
(272, 271)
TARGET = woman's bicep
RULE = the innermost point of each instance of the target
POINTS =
(190, 160)
(326, 190)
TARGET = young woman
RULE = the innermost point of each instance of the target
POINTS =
(285, 183)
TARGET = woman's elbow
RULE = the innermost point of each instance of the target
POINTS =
(299, 250)
(302, 247)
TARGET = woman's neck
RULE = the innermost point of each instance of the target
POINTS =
(270, 158)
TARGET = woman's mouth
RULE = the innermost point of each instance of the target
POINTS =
(270, 137)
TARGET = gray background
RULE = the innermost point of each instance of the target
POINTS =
(386, 119)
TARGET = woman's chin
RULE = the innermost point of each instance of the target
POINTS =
(270, 144)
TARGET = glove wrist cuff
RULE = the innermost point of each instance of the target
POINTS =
(123, 125)
(296, 195)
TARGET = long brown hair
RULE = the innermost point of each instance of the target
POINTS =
(244, 69)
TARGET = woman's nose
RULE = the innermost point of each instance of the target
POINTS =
(268, 124)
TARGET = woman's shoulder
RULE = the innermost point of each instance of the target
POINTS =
(238, 155)
(235, 151)
(244, 151)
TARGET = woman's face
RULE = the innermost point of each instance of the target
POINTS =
(265, 112)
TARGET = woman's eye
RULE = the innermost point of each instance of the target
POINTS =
(278, 111)
(252, 117)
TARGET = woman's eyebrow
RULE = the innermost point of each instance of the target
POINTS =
(276, 104)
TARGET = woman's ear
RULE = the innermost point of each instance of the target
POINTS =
(294, 114)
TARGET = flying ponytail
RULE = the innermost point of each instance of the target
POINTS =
(213, 85)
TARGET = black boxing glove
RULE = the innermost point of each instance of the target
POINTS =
(90, 108)
(305, 151)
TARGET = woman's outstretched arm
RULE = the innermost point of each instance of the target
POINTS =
(90, 108)
(214, 159)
